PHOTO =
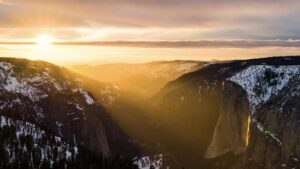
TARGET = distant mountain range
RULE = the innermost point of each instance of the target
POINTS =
(217, 115)
(142, 79)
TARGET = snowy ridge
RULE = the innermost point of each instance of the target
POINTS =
(35, 86)
(11, 83)
(263, 81)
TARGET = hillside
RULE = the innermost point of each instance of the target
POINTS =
(225, 115)
(226, 112)
(50, 117)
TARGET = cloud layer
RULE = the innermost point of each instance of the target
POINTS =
(176, 44)
(184, 20)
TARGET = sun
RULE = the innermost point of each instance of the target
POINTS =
(44, 40)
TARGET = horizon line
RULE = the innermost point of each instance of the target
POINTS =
(172, 44)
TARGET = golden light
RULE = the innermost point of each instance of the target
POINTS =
(44, 40)
(248, 130)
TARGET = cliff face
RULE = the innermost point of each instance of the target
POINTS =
(259, 118)
(231, 131)
(187, 112)
(225, 111)
(275, 138)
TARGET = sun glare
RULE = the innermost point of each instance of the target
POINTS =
(44, 40)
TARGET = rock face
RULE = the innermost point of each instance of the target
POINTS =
(187, 112)
(232, 129)
(274, 133)
(269, 96)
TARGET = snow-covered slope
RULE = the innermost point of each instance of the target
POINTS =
(263, 81)
(29, 85)
(35, 86)
(55, 109)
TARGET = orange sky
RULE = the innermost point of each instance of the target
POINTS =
(68, 55)
(234, 29)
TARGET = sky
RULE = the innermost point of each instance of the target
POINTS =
(105, 31)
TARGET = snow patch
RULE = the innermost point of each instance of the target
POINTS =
(22, 128)
(89, 100)
(266, 132)
(146, 162)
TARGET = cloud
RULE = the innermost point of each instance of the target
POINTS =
(191, 44)
(229, 19)
(152, 13)
(176, 44)
(4, 2)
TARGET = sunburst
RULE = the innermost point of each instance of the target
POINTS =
(44, 40)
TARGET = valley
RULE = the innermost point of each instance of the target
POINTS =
(175, 114)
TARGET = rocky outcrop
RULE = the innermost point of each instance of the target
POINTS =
(232, 129)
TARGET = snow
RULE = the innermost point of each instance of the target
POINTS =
(3, 121)
(146, 162)
(78, 107)
(59, 125)
(57, 85)
(75, 151)
(27, 86)
(68, 155)
(266, 132)
(89, 100)
(75, 119)
(3, 104)
(283, 165)
(23, 128)
(295, 159)
(12, 84)
(263, 81)
(57, 139)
